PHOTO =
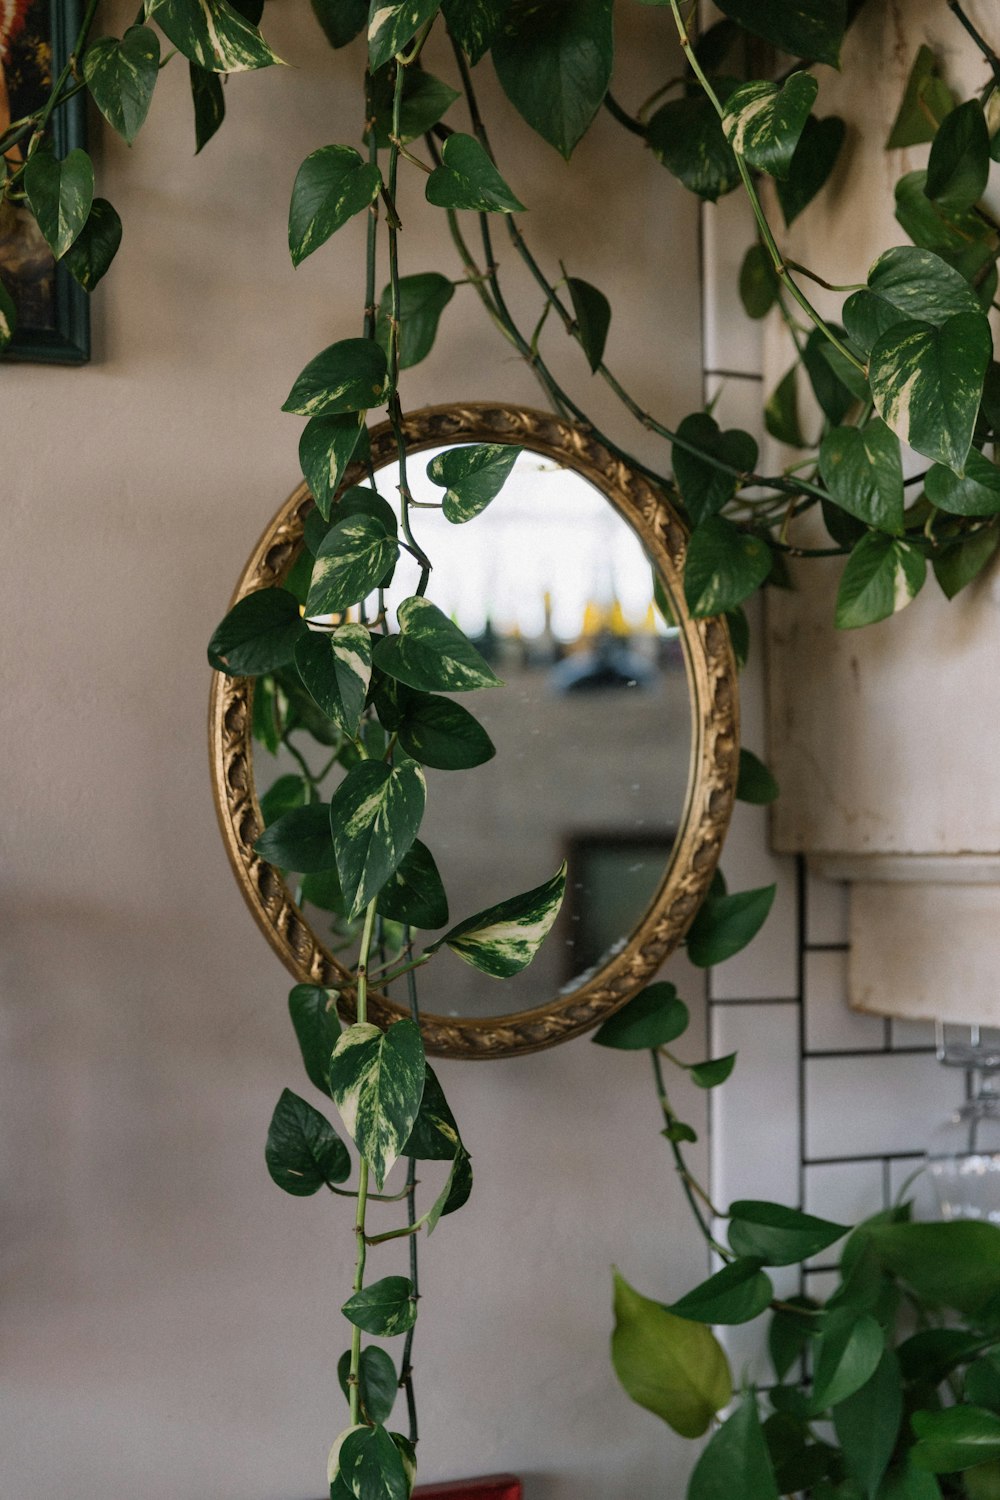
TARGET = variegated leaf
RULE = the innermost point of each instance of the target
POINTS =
(333, 1460)
(121, 76)
(391, 27)
(317, 1026)
(763, 121)
(374, 817)
(468, 179)
(434, 1136)
(455, 1191)
(926, 383)
(326, 447)
(332, 185)
(212, 34)
(431, 653)
(347, 376)
(408, 1454)
(503, 939)
(353, 558)
(372, 1466)
(336, 668)
(8, 316)
(414, 893)
(95, 247)
(977, 493)
(863, 470)
(377, 1082)
(60, 194)
(882, 575)
(906, 284)
(472, 477)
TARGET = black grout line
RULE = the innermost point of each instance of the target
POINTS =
(840, 1161)
(821, 1052)
(735, 375)
(827, 947)
(779, 1000)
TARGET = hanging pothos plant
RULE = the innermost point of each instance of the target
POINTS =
(908, 367)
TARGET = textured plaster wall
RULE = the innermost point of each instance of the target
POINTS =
(170, 1319)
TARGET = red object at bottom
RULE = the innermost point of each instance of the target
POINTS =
(492, 1487)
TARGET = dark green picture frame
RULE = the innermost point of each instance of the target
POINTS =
(68, 342)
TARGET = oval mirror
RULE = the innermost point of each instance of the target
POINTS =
(615, 731)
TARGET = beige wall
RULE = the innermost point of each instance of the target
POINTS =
(170, 1318)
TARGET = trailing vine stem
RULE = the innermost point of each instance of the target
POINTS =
(692, 1188)
(406, 1372)
(354, 1376)
(958, 11)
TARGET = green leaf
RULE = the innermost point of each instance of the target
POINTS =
(348, 376)
(867, 1424)
(503, 939)
(95, 247)
(434, 1136)
(336, 669)
(739, 635)
(882, 576)
(925, 103)
(374, 814)
(679, 1132)
(121, 76)
(283, 795)
(431, 653)
(8, 316)
(781, 412)
(442, 734)
(352, 560)
(468, 179)
(687, 136)
(317, 1027)
(755, 783)
(863, 470)
(812, 29)
(724, 566)
(474, 24)
(376, 1082)
(763, 121)
(385, 1308)
(963, 239)
(705, 488)
(955, 1439)
(959, 163)
(212, 34)
(592, 315)
(956, 1264)
(708, 1075)
(377, 1380)
(471, 477)
(798, 1463)
(813, 160)
(788, 1335)
(455, 1191)
(332, 185)
(907, 284)
(413, 893)
(326, 447)
(209, 100)
(735, 1463)
(908, 1483)
(425, 100)
(836, 384)
(737, 1293)
(372, 1467)
(670, 1365)
(758, 283)
(299, 840)
(60, 194)
(341, 20)
(927, 382)
(779, 1236)
(258, 634)
(977, 493)
(303, 1151)
(847, 1355)
(652, 1018)
(982, 1382)
(554, 64)
(392, 27)
(422, 300)
(726, 924)
(322, 890)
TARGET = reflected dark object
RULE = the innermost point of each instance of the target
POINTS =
(609, 664)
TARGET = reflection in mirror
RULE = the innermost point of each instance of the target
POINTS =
(592, 729)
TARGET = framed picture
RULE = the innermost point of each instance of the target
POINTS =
(53, 322)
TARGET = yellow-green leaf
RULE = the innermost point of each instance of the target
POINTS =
(672, 1366)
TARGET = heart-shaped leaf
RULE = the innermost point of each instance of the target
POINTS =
(812, 29)
(755, 782)
(341, 20)
(336, 668)
(863, 470)
(434, 1136)
(96, 246)
(736, 1462)
(442, 734)
(727, 923)
(907, 284)
(957, 566)
(813, 159)
(763, 121)
(347, 376)
(455, 1192)
(554, 64)
(374, 815)
(472, 476)
(212, 34)
(332, 185)
(299, 840)
(708, 1075)
(468, 179)
(392, 26)
(883, 574)
(847, 1356)
(977, 493)
(121, 76)
(687, 136)
(737, 1293)
(422, 300)
(758, 282)
(724, 566)
(303, 1151)
(652, 1018)
(259, 634)
(927, 382)
(956, 1439)
(209, 101)
(317, 1026)
(371, 1466)
(781, 411)
(779, 1236)
(425, 100)
(474, 24)
(376, 1082)
(430, 653)
(672, 1366)
(413, 893)
(961, 237)
(926, 102)
(352, 560)
(60, 195)
(867, 1424)
(386, 1308)
(377, 1378)
(503, 939)
(704, 487)
(326, 447)
(592, 314)
(959, 163)
(955, 1264)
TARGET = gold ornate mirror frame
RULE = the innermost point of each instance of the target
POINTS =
(711, 675)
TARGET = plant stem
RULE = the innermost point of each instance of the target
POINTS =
(354, 1377)
(688, 1182)
(623, 117)
(416, 963)
(980, 41)
(406, 1373)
